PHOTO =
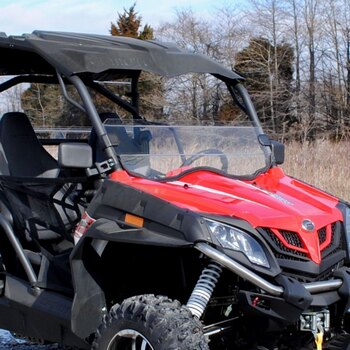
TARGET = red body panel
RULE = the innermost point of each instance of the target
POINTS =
(273, 200)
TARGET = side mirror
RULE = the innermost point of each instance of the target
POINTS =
(75, 155)
(278, 151)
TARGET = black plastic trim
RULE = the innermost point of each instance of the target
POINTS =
(272, 307)
(159, 216)
(294, 292)
(42, 315)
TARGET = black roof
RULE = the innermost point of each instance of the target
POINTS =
(71, 53)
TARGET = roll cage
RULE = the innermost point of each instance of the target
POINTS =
(86, 61)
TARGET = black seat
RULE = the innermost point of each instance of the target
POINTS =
(39, 199)
(21, 153)
(43, 205)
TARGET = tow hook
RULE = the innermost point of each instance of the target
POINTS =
(316, 322)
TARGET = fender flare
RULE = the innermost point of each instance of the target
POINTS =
(89, 303)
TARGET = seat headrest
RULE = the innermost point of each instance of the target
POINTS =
(21, 152)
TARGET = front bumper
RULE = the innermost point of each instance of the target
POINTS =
(299, 296)
(240, 270)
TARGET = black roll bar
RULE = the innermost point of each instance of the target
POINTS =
(95, 120)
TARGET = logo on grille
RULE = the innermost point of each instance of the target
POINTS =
(308, 225)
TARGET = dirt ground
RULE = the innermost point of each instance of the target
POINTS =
(7, 341)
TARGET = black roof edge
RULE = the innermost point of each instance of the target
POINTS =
(76, 53)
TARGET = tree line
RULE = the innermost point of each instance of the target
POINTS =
(294, 55)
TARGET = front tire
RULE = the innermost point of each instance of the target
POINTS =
(340, 342)
(147, 322)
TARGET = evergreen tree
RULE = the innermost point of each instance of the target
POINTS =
(129, 24)
(270, 88)
(47, 108)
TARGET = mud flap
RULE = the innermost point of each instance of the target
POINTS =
(89, 304)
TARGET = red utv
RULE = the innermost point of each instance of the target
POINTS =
(160, 233)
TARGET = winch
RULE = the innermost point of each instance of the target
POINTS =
(316, 322)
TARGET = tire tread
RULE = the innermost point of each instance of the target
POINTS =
(171, 326)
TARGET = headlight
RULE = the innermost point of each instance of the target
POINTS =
(233, 238)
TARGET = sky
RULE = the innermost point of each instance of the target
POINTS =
(90, 16)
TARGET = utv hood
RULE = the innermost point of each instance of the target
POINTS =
(272, 201)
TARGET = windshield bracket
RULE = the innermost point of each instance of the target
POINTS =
(101, 168)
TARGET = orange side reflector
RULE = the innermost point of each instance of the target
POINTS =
(134, 220)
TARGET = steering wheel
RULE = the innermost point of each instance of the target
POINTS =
(210, 151)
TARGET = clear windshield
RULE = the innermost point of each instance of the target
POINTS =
(159, 151)
(193, 122)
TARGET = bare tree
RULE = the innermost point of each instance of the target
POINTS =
(195, 35)
(11, 99)
(310, 18)
(312, 99)
(268, 20)
(230, 34)
(295, 37)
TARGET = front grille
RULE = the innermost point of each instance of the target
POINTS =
(289, 245)
(280, 250)
(292, 238)
(304, 277)
(337, 242)
(322, 235)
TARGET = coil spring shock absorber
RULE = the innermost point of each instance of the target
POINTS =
(204, 289)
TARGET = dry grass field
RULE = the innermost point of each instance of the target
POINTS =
(323, 164)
